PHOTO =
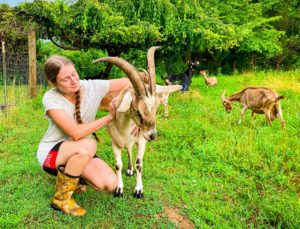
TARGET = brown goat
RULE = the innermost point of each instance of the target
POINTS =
(260, 100)
(210, 81)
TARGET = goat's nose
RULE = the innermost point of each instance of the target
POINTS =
(152, 136)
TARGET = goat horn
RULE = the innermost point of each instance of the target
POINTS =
(223, 95)
(129, 70)
(151, 68)
(144, 70)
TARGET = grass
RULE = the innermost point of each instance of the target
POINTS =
(204, 170)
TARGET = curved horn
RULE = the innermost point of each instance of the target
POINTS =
(144, 70)
(223, 96)
(129, 70)
(151, 68)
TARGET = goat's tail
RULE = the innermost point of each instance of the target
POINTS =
(279, 98)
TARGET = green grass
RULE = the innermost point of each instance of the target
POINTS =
(204, 168)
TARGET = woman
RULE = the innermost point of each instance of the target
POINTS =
(67, 149)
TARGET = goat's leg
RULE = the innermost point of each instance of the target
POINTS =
(129, 171)
(243, 113)
(268, 116)
(279, 115)
(252, 115)
(166, 109)
(117, 152)
(252, 118)
(138, 191)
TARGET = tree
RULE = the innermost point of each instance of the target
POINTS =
(13, 31)
(187, 29)
(289, 12)
(88, 24)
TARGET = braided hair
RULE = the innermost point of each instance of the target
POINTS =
(51, 68)
(77, 112)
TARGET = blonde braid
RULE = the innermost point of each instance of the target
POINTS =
(77, 112)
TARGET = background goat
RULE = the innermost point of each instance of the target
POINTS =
(136, 104)
(165, 96)
(184, 78)
(260, 100)
(210, 81)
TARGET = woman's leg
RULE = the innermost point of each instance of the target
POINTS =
(100, 175)
(72, 158)
(76, 155)
(79, 161)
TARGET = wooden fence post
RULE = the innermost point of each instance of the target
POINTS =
(32, 64)
(4, 72)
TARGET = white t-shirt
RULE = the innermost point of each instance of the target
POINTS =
(92, 92)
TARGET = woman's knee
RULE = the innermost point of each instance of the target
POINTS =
(110, 184)
(87, 147)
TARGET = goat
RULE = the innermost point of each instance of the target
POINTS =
(136, 104)
(210, 81)
(165, 96)
(260, 100)
(144, 75)
(184, 78)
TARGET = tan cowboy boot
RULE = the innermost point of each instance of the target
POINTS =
(62, 199)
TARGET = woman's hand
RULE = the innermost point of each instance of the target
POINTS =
(112, 108)
(136, 130)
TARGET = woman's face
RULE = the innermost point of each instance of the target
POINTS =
(67, 80)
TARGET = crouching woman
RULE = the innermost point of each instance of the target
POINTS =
(66, 150)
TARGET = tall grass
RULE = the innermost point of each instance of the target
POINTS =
(204, 170)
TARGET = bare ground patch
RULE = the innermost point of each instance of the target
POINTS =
(174, 215)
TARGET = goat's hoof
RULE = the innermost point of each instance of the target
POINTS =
(129, 173)
(118, 192)
(138, 194)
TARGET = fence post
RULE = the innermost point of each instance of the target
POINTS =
(4, 72)
(32, 63)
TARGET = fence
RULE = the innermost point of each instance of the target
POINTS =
(15, 77)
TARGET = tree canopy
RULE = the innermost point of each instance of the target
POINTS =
(218, 31)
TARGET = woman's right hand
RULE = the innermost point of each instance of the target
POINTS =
(112, 108)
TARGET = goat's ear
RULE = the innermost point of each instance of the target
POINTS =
(125, 102)
(169, 89)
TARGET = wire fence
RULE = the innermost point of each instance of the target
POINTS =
(14, 78)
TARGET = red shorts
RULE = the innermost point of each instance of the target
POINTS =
(50, 162)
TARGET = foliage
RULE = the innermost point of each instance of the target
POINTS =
(225, 36)
(289, 23)
(186, 29)
(13, 31)
(203, 166)
(90, 24)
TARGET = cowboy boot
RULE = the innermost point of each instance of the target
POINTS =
(62, 199)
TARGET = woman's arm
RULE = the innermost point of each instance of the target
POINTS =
(78, 131)
(116, 85)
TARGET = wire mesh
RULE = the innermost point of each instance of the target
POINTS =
(14, 87)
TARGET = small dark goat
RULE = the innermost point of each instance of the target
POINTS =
(185, 78)
(260, 100)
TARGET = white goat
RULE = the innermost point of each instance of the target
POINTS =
(165, 96)
(137, 105)
(210, 81)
